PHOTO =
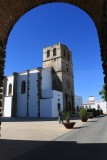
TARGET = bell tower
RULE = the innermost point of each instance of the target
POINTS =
(59, 57)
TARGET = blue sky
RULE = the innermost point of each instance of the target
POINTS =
(52, 23)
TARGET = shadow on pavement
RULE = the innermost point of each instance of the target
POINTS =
(51, 150)
(28, 119)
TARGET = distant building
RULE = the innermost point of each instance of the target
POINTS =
(78, 102)
(41, 92)
(92, 103)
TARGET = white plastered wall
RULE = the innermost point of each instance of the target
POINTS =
(33, 94)
(22, 98)
(7, 106)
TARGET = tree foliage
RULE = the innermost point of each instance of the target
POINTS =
(103, 93)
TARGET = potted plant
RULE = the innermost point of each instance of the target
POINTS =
(67, 123)
(83, 115)
(90, 113)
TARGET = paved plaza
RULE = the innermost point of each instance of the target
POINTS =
(34, 129)
(30, 139)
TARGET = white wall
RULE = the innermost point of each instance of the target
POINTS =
(46, 79)
(91, 98)
(33, 106)
(47, 94)
(57, 98)
(7, 106)
(46, 107)
(22, 98)
(95, 104)
(49, 106)
(9, 81)
(102, 105)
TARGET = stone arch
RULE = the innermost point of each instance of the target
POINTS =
(11, 11)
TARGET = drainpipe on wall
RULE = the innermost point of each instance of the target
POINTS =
(39, 90)
(28, 88)
(14, 99)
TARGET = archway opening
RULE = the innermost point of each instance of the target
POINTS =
(48, 25)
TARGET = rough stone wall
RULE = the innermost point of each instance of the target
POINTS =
(67, 78)
(11, 11)
(55, 63)
(103, 41)
(62, 75)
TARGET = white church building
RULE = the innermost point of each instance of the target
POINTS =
(30, 98)
(42, 91)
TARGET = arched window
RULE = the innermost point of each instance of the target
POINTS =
(10, 89)
(48, 53)
(54, 52)
(23, 87)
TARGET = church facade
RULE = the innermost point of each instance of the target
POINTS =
(42, 91)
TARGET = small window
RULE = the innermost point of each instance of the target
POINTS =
(23, 87)
(98, 106)
(67, 69)
(48, 53)
(54, 52)
(10, 89)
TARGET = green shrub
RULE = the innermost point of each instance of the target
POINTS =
(89, 110)
(101, 111)
(67, 115)
(94, 112)
(98, 112)
(83, 113)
